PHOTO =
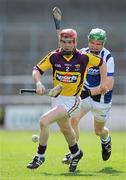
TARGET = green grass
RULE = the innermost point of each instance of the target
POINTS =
(17, 149)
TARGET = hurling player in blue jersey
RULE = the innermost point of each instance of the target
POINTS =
(69, 67)
(99, 105)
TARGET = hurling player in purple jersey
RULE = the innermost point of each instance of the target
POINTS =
(69, 67)
(99, 105)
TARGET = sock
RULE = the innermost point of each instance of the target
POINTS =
(74, 150)
(39, 155)
(105, 140)
(41, 150)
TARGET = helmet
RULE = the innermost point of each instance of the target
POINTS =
(97, 34)
(68, 33)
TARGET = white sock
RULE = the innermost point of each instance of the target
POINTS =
(107, 139)
(73, 155)
(39, 155)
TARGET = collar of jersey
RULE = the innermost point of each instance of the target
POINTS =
(68, 58)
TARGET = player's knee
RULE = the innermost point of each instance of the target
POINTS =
(74, 121)
(43, 122)
(65, 130)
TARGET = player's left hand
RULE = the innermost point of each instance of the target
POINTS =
(55, 91)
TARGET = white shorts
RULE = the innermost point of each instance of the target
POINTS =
(100, 110)
(71, 103)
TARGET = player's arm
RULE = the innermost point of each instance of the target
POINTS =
(40, 88)
(102, 88)
(38, 70)
(109, 80)
(103, 75)
(96, 61)
(110, 73)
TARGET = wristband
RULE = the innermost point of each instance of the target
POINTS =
(39, 83)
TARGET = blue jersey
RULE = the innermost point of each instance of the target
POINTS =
(93, 74)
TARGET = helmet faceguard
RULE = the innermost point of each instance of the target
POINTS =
(97, 34)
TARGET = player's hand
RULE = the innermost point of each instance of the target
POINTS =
(40, 88)
(55, 91)
(103, 89)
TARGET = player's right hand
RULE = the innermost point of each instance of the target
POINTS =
(40, 88)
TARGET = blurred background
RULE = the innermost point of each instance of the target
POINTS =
(27, 33)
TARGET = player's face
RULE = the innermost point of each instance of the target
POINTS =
(95, 46)
(67, 44)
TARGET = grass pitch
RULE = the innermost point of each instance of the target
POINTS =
(17, 149)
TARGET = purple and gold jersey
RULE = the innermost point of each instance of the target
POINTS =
(69, 71)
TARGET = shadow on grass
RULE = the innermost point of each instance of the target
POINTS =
(77, 173)
(106, 170)
(109, 170)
